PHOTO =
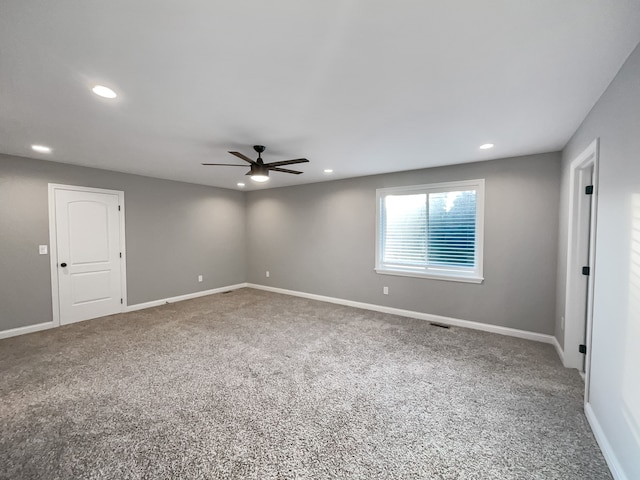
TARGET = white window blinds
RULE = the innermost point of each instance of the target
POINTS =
(405, 229)
(431, 230)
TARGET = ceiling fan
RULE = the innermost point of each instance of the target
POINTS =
(259, 170)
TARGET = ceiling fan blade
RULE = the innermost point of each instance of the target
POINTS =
(226, 164)
(286, 162)
(284, 170)
(243, 157)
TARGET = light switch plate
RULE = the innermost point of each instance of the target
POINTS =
(43, 249)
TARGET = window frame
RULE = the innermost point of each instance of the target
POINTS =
(454, 274)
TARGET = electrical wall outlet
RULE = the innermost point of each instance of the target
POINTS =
(43, 249)
(267, 273)
(385, 290)
(199, 278)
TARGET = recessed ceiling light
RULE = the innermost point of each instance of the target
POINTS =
(240, 184)
(328, 170)
(41, 148)
(486, 146)
(103, 91)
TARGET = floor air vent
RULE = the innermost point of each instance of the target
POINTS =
(439, 325)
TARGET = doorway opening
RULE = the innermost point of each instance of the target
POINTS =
(583, 194)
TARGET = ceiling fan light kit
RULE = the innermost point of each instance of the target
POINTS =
(259, 171)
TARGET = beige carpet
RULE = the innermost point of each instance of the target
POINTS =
(257, 385)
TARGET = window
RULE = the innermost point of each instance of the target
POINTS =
(432, 231)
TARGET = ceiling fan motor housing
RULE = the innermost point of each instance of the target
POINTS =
(259, 170)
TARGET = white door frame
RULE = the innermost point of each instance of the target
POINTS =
(574, 304)
(53, 243)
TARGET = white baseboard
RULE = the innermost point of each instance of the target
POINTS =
(456, 322)
(179, 298)
(24, 330)
(129, 308)
(605, 446)
(559, 349)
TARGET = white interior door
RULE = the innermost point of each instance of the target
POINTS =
(88, 253)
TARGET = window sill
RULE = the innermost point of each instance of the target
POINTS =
(432, 276)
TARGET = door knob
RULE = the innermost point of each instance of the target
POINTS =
(63, 265)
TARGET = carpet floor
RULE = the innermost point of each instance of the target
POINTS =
(256, 385)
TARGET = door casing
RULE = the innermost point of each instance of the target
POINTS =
(577, 296)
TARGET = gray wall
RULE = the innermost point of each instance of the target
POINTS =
(615, 382)
(174, 231)
(320, 238)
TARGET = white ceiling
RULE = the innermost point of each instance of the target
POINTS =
(359, 86)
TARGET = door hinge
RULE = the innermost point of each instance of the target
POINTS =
(582, 348)
(588, 190)
(120, 254)
(121, 302)
(119, 208)
(586, 271)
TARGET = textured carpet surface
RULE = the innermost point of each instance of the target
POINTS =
(256, 385)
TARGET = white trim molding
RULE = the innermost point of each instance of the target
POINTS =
(607, 450)
(581, 248)
(131, 308)
(455, 322)
(180, 298)
(14, 332)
